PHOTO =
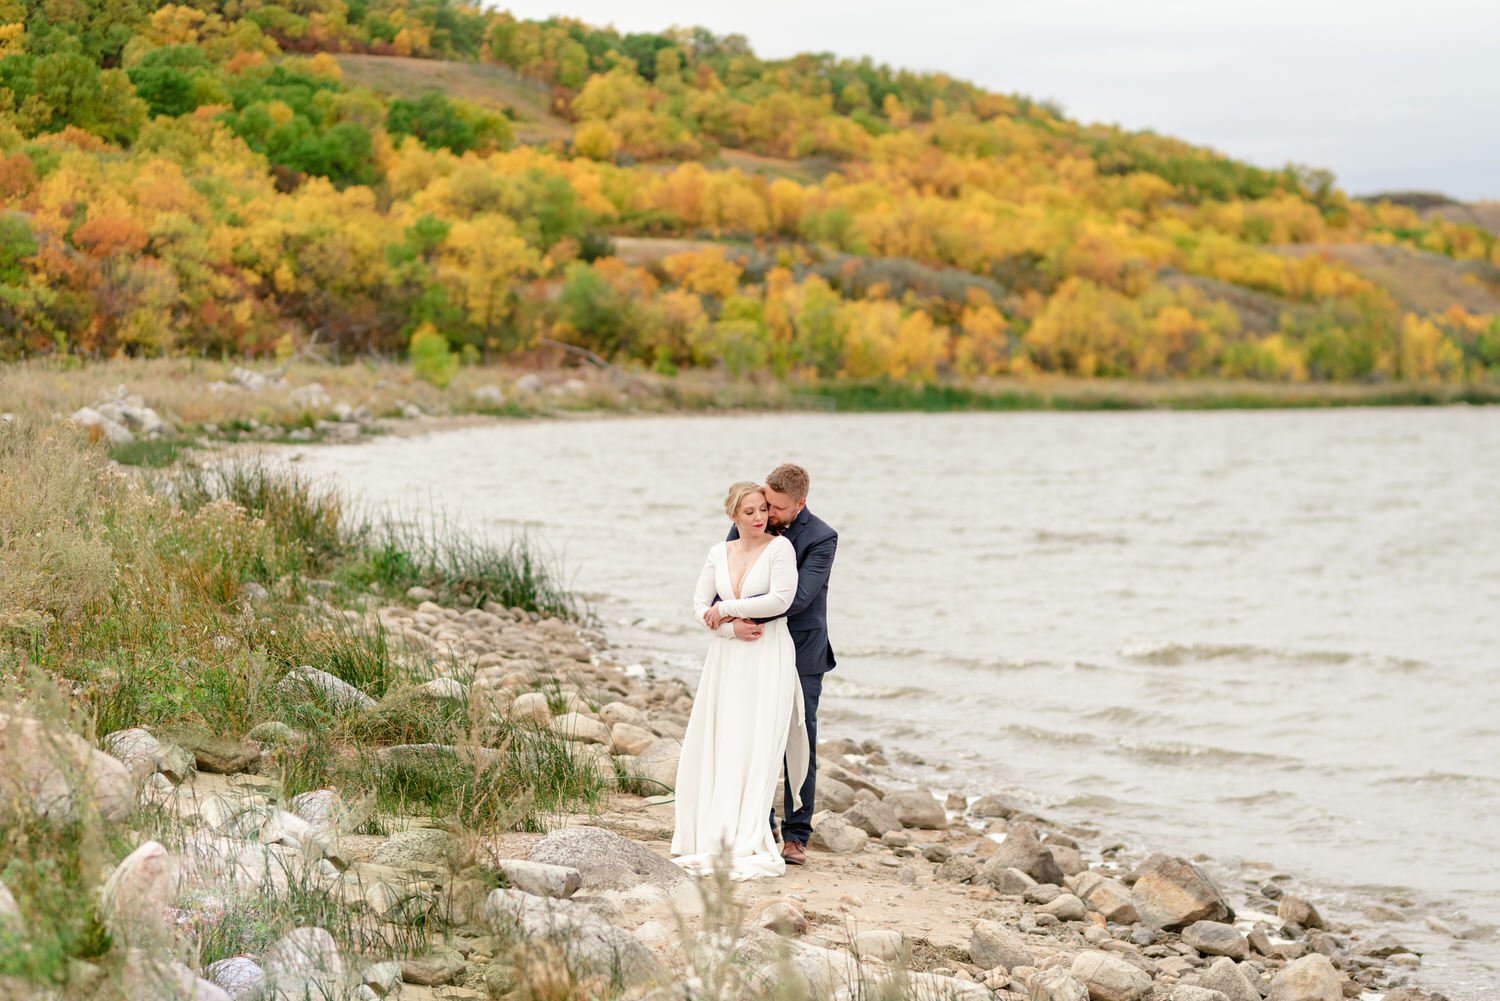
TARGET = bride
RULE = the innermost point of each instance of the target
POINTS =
(747, 715)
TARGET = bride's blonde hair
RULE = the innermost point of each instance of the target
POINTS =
(737, 493)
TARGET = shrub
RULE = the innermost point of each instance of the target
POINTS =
(431, 358)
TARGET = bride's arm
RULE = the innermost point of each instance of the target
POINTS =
(783, 587)
(703, 598)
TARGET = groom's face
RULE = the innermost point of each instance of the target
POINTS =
(783, 509)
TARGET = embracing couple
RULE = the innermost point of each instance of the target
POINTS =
(763, 594)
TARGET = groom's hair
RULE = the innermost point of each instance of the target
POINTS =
(790, 480)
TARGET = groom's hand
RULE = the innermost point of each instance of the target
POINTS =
(744, 629)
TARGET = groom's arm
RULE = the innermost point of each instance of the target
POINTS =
(812, 575)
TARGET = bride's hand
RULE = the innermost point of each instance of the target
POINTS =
(745, 629)
(712, 618)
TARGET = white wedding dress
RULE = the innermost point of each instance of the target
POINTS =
(747, 717)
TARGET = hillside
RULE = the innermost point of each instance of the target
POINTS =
(247, 179)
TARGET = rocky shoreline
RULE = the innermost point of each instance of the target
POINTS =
(968, 897)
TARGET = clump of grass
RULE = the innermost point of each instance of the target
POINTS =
(52, 866)
(304, 517)
(55, 554)
(460, 568)
(360, 654)
(148, 453)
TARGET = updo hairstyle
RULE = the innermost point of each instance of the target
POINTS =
(737, 493)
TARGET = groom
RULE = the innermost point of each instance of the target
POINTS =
(807, 620)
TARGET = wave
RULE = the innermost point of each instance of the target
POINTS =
(1170, 654)
(1441, 779)
(1083, 538)
(1171, 750)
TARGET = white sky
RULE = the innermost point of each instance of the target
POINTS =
(1388, 95)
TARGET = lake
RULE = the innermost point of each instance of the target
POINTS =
(1263, 636)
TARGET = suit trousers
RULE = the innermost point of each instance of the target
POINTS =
(797, 824)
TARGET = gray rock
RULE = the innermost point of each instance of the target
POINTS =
(1011, 882)
(1065, 907)
(339, 694)
(658, 764)
(272, 732)
(996, 806)
(419, 593)
(241, 978)
(780, 916)
(1215, 939)
(11, 920)
(1068, 859)
(50, 770)
(1187, 992)
(541, 879)
(305, 961)
(1227, 978)
(1041, 893)
(424, 847)
(627, 738)
(958, 869)
(100, 426)
(1294, 910)
(529, 383)
(1055, 984)
(1174, 893)
(136, 896)
(442, 967)
(590, 945)
(1383, 946)
(605, 861)
(383, 978)
(835, 834)
(1109, 978)
(1111, 898)
(220, 755)
(993, 944)
(1021, 850)
(622, 712)
(1311, 978)
(175, 762)
(874, 817)
(490, 396)
(883, 944)
(135, 748)
(917, 808)
(576, 726)
(834, 795)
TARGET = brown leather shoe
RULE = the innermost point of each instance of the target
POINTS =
(794, 853)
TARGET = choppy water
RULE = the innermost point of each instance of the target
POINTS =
(1261, 636)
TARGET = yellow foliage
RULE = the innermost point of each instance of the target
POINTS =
(705, 272)
(921, 348)
(595, 140)
(1425, 354)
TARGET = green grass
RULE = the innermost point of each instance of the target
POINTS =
(150, 454)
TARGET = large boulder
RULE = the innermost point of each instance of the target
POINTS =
(835, 834)
(1213, 938)
(834, 795)
(605, 861)
(136, 896)
(52, 772)
(540, 879)
(657, 765)
(1110, 898)
(1055, 984)
(1021, 850)
(1295, 910)
(993, 944)
(1173, 893)
(221, 755)
(240, 977)
(305, 962)
(1188, 992)
(576, 726)
(591, 946)
(1311, 978)
(340, 696)
(1226, 977)
(873, 817)
(917, 808)
(1109, 978)
(419, 847)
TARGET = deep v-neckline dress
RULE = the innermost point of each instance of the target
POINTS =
(746, 721)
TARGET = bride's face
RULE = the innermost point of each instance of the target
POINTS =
(750, 517)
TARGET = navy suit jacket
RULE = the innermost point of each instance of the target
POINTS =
(815, 543)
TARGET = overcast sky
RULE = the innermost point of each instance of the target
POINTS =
(1387, 95)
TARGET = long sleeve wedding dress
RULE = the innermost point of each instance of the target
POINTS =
(746, 719)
